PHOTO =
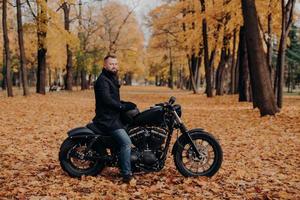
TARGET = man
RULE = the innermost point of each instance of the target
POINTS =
(108, 108)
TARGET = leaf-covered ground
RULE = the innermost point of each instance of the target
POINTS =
(261, 155)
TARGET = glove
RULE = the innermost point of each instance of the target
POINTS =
(127, 106)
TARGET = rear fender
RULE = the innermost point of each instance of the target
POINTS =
(97, 140)
(81, 132)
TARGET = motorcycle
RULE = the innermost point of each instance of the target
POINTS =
(87, 150)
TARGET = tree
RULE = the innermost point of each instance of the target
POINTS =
(119, 33)
(207, 60)
(66, 6)
(293, 58)
(7, 57)
(22, 49)
(41, 19)
(287, 11)
(244, 79)
(263, 95)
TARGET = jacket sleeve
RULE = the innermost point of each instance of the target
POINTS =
(102, 92)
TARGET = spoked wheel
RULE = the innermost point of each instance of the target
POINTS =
(206, 164)
(77, 161)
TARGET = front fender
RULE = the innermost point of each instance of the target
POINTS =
(80, 132)
(183, 136)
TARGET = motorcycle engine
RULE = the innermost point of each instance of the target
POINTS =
(148, 142)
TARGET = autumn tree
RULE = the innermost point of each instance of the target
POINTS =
(41, 17)
(293, 59)
(164, 38)
(22, 49)
(119, 34)
(263, 96)
(7, 57)
(208, 59)
(244, 87)
(287, 10)
(66, 7)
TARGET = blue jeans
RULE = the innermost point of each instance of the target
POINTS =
(124, 142)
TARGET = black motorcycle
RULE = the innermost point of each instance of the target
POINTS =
(87, 150)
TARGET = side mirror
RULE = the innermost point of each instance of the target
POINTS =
(172, 100)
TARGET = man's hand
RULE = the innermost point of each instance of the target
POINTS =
(127, 106)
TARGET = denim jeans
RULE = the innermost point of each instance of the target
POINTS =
(124, 143)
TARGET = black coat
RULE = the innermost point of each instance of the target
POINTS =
(108, 105)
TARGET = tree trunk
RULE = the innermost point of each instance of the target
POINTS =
(208, 68)
(42, 20)
(260, 81)
(221, 70)
(236, 83)
(220, 73)
(84, 83)
(22, 50)
(197, 74)
(6, 59)
(244, 76)
(69, 65)
(170, 80)
(192, 81)
(233, 65)
(49, 77)
(128, 78)
(270, 46)
(3, 85)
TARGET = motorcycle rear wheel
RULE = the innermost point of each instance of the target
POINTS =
(188, 164)
(72, 160)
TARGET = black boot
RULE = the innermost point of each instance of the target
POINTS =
(127, 178)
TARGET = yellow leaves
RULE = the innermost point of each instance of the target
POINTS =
(179, 25)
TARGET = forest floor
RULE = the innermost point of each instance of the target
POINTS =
(261, 155)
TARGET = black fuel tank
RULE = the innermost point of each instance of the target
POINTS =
(152, 116)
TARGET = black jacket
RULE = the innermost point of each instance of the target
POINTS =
(108, 105)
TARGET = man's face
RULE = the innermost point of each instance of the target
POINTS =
(111, 64)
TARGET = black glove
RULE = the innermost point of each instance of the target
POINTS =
(127, 106)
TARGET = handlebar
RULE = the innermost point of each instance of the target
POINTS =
(169, 103)
(172, 100)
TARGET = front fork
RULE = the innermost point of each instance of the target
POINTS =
(184, 131)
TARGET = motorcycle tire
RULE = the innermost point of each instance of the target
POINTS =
(67, 164)
(184, 142)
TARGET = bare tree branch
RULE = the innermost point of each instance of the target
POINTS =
(123, 23)
(290, 15)
(31, 10)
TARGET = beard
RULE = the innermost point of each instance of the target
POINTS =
(114, 71)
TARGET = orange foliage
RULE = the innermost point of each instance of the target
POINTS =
(261, 158)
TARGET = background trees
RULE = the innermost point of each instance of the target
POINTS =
(208, 32)
(64, 42)
(198, 45)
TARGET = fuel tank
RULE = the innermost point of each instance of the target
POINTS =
(152, 116)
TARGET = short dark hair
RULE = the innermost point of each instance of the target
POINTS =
(109, 56)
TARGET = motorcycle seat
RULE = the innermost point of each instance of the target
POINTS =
(97, 131)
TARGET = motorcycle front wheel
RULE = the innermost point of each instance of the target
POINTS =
(72, 157)
(209, 161)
